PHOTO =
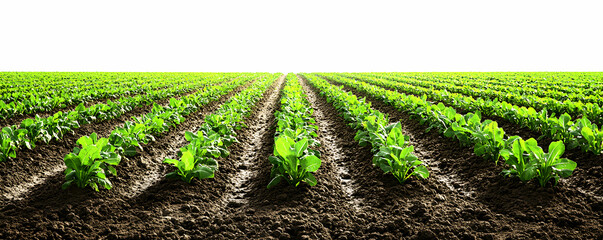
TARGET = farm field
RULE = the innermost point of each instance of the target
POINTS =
(376, 155)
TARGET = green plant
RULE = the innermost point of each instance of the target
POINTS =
(34, 131)
(127, 138)
(561, 129)
(208, 144)
(489, 140)
(396, 157)
(592, 136)
(292, 162)
(542, 166)
(10, 140)
(89, 165)
(7, 149)
(190, 166)
(460, 129)
(519, 159)
(198, 159)
(222, 125)
(374, 130)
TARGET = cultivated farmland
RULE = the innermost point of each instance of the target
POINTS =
(301, 156)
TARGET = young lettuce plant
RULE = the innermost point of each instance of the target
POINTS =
(296, 118)
(460, 129)
(197, 160)
(89, 165)
(11, 138)
(488, 139)
(8, 149)
(396, 157)
(592, 136)
(518, 158)
(221, 125)
(127, 138)
(292, 162)
(562, 129)
(542, 166)
(188, 167)
(374, 130)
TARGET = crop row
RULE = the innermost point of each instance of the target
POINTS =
(21, 86)
(565, 82)
(581, 133)
(199, 159)
(294, 157)
(581, 101)
(392, 153)
(78, 87)
(593, 111)
(34, 104)
(517, 86)
(89, 164)
(526, 161)
(31, 131)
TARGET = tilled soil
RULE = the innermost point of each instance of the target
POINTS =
(492, 206)
(464, 198)
(49, 212)
(32, 167)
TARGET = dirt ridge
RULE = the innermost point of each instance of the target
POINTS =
(514, 209)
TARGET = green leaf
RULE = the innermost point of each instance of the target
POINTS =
(205, 172)
(187, 160)
(564, 119)
(94, 186)
(276, 180)
(479, 149)
(80, 107)
(311, 163)
(405, 151)
(384, 164)
(130, 151)
(310, 179)
(274, 160)
(173, 175)
(565, 167)
(105, 183)
(505, 153)
(189, 136)
(283, 147)
(171, 161)
(112, 170)
(588, 134)
(556, 149)
(66, 184)
(300, 147)
(422, 171)
(528, 173)
(85, 140)
(112, 160)
(101, 175)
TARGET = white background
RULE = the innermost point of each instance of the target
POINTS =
(301, 36)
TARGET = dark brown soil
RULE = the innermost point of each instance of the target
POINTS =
(75, 213)
(32, 166)
(489, 205)
(465, 197)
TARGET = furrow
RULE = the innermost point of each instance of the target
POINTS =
(46, 161)
(252, 146)
(332, 144)
(153, 157)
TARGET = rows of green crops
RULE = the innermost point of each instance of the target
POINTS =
(564, 107)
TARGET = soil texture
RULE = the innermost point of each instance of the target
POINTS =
(465, 197)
